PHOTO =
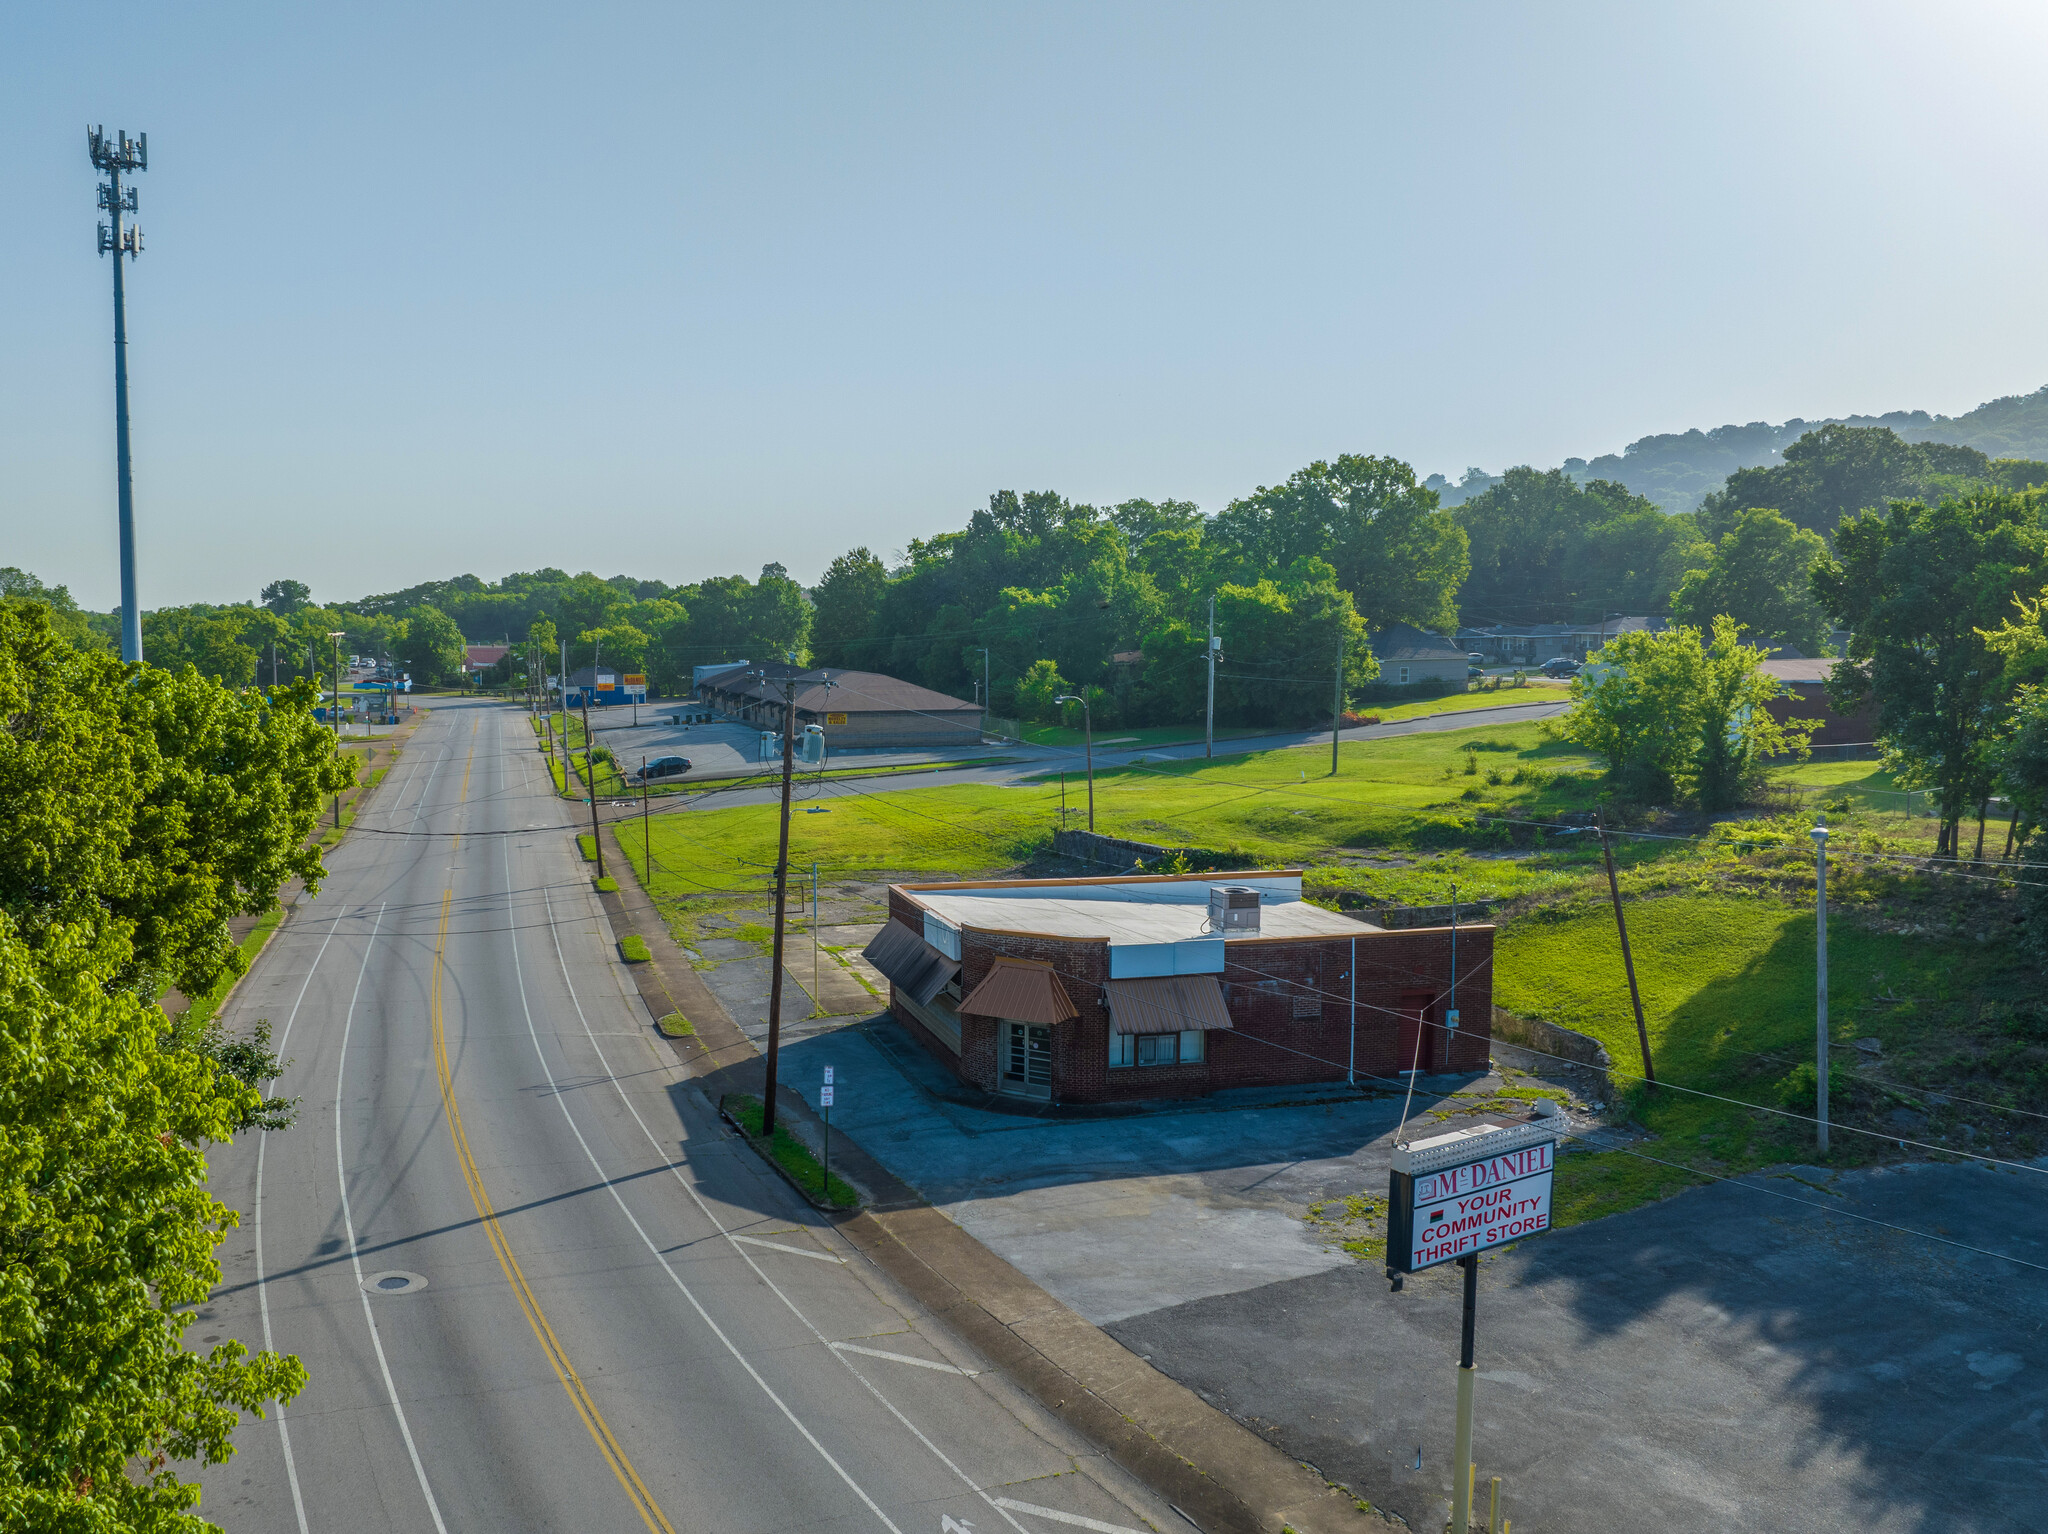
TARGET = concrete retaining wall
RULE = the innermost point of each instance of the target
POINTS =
(1534, 1033)
(1114, 852)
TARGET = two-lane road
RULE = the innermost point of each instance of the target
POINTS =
(536, 1284)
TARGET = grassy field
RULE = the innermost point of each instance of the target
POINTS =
(1538, 690)
(1270, 808)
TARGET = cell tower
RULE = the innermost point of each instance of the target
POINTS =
(114, 156)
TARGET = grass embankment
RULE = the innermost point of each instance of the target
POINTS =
(1923, 970)
(331, 834)
(608, 778)
(789, 1153)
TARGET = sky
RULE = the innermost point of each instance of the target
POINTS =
(678, 289)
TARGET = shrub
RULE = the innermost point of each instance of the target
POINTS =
(677, 1026)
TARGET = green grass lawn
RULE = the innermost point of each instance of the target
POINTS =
(1728, 1000)
(1271, 808)
(1538, 690)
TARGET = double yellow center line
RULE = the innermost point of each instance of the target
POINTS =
(558, 1359)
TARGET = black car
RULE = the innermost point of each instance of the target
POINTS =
(663, 767)
(1560, 665)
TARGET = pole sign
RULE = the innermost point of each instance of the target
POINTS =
(1469, 1191)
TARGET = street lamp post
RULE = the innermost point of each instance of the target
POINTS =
(1820, 984)
(334, 711)
(1088, 737)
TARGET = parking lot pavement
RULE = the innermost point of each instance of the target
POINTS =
(726, 746)
(1741, 1356)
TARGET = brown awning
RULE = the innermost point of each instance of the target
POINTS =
(1027, 992)
(1166, 1004)
(912, 965)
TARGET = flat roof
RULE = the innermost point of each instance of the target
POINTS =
(1126, 921)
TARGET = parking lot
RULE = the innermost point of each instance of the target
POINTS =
(724, 746)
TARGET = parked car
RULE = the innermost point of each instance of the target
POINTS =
(1560, 665)
(663, 767)
(1475, 669)
(1476, 657)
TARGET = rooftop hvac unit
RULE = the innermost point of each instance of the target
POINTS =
(1234, 910)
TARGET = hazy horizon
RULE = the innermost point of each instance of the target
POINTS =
(682, 293)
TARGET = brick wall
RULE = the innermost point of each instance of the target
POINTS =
(1288, 998)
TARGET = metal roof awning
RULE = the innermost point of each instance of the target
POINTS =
(912, 965)
(1166, 1004)
(1022, 991)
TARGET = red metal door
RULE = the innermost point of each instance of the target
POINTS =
(1411, 1048)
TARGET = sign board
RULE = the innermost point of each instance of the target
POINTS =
(1469, 1191)
(824, 1097)
(835, 719)
(632, 680)
(828, 1075)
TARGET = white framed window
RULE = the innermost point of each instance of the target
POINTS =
(1156, 1048)
(1404, 676)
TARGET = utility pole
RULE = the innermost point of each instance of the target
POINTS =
(590, 781)
(1209, 715)
(1627, 960)
(646, 834)
(1336, 705)
(1820, 983)
(562, 687)
(1088, 736)
(781, 899)
(985, 704)
(1461, 1452)
(334, 714)
(113, 156)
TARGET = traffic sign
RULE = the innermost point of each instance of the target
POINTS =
(824, 1097)
(828, 1075)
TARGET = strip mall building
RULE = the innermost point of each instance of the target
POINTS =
(1105, 990)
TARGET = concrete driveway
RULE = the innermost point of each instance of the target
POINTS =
(1742, 1356)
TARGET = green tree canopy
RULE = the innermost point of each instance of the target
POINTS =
(286, 597)
(1681, 712)
(1545, 549)
(1761, 576)
(847, 600)
(431, 648)
(1836, 471)
(66, 621)
(1922, 590)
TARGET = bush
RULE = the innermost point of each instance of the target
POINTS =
(677, 1026)
(1394, 692)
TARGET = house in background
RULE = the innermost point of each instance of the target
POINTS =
(1408, 655)
(1806, 697)
(1531, 644)
(1122, 988)
(479, 658)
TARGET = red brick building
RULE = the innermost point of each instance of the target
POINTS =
(1104, 990)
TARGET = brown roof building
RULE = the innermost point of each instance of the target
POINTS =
(1104, 990)
(858, 710)
(1806, 697)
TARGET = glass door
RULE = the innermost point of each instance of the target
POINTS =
(1027, 1059)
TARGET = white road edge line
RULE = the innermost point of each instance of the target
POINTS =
(349, 1225)
(794, 1251)
(291, 1468)
(718, 1225)
(898, 1358)
(1059, 1517)
(717, 1331)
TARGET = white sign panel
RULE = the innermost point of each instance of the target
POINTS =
(824, 1097)
(1441, 1213)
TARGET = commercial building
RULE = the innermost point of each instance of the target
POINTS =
(601, 686)
(1105, 990)
(858, 710)
(1806, 697)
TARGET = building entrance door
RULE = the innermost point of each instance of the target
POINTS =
(1027, 1059)
(1409, 1036)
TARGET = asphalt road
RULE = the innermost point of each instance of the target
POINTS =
(535, 1282)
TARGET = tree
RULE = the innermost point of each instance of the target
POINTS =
(286, 597)
(1921, 589)
(1760, 576)
(1380, 531)
(431, 648)
(847, 600)
(620, 646)
(1545, 549)
(66, 621)
(1681, 711)
(139, 810)
(1838, 470)
(1037, 688)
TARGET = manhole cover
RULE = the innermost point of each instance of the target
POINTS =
(394, 1283)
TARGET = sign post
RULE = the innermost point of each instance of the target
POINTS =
(825, 1109)
(1451, 1197)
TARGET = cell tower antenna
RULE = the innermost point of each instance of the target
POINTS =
(113, 157)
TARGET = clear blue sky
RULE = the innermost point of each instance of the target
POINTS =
(680, 289)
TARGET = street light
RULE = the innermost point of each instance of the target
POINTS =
(1088, 736)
